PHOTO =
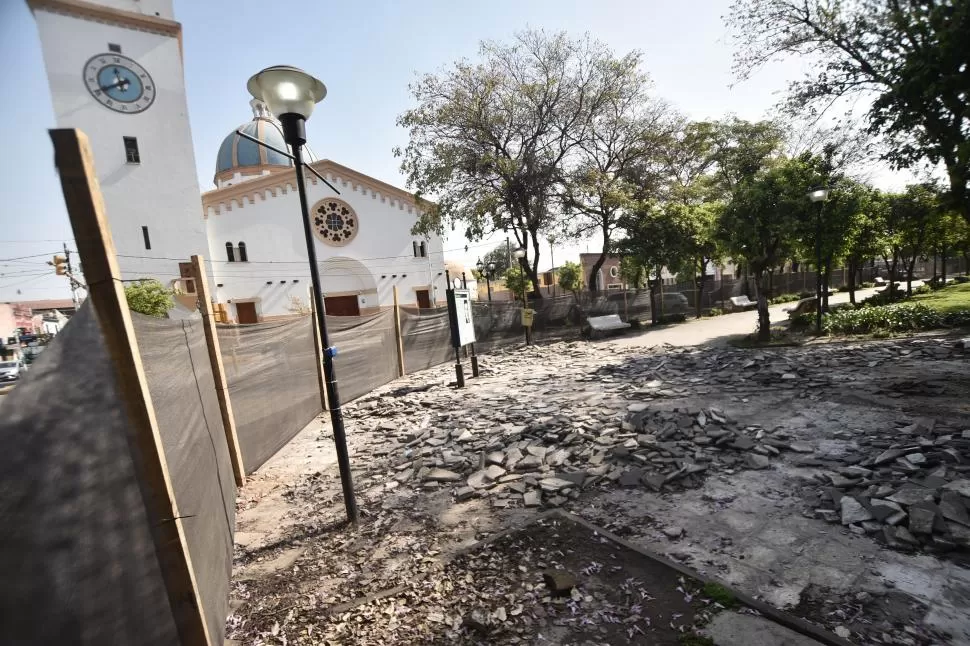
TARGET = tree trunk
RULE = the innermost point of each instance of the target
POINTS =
(852, 283)
(764, 321)
(656, 304)
(594, 272)
(943, 266)
(699, 287)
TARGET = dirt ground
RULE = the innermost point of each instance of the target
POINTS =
(302, 576)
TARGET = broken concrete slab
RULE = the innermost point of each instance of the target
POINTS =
(910, 495)
(852, 511)
(953, 508)
(441, 475)
(733, 629)
(755, 461)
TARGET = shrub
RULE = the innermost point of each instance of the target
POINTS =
(149, 297)
(882, 298)
(783, 298)
(922, 289)
(673, 318)
(714, 311)
(802, 321)
(867, 284)
(901, 317)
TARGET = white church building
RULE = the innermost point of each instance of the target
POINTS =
(129, 98)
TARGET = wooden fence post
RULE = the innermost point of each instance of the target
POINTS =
(397, 333)
(318, 353)
(85, 208)
(218, 372)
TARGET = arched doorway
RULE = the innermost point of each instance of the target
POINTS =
(348, 286)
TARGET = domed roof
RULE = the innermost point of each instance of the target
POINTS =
(240, 155)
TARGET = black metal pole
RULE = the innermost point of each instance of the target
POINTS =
(294, 132)
(818, 269)
(488, 285)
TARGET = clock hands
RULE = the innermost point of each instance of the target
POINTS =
(119, 82)
(105, 88)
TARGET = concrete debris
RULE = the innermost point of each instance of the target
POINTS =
(559, 582)
(853, 511)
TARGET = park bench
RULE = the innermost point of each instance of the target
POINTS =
(742, 303)
(606, 323)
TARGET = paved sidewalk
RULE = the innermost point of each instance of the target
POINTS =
(718, 329)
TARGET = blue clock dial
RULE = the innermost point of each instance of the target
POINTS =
(119, 83)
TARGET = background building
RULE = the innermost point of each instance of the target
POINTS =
(363, 235)
(115, 72)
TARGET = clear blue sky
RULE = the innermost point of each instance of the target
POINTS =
(367, 53)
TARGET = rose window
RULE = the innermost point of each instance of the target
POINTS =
(334, 222)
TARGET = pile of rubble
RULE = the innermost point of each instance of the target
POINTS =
(540, 460)
(909, 488)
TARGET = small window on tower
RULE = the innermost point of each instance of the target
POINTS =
(148, 241)
(112, 47)
(131, 150)
(243, 256)
(424, 250)
(230, 252)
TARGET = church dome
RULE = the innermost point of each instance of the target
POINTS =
(247, 159)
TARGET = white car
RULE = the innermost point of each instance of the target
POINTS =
(11, 371)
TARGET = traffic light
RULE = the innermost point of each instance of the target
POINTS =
(60, 265)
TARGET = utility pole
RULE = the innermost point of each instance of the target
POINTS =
(70, 277)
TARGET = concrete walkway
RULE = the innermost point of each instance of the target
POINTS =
(718, 329)
(732, 629)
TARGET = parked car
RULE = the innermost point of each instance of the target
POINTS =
(11, 370)
(673, 303)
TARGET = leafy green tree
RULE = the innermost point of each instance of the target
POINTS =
(149, 297)
(862, 237)
(741, 149)
(500, 256)
(916, 208)
(760, 224)
(619, 162)
(688, 160)
(517, 281)
(570, 277)
(492, 139)
(909, 56)
(948, 234)
(655, 239)
(631, 271)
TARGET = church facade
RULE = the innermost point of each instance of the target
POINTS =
(129, 98)
(363, 233)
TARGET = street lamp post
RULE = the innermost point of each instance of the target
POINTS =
(291, 94)
(487, 271)
(819, 195)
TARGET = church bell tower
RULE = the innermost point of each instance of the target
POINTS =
(115, 72)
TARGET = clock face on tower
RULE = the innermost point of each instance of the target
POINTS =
(119, 83)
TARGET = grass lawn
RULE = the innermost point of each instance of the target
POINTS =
(948, 299)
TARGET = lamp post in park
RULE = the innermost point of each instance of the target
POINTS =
(487, 271)
(291, 94)
(819, 195)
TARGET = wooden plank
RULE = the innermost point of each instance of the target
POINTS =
(85, 207)
(397, 333)
(318, 352)
(218, 371)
